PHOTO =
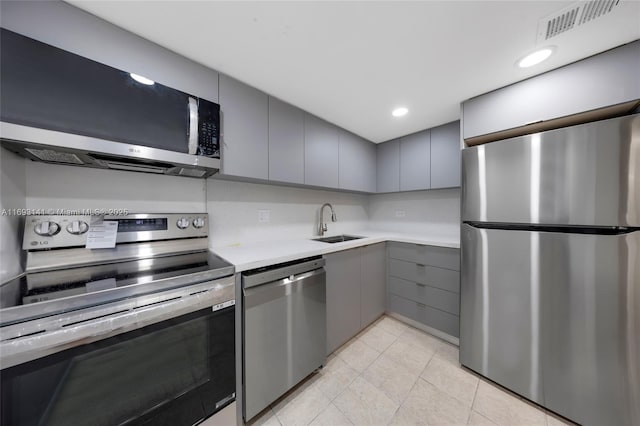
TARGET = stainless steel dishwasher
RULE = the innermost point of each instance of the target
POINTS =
(284, 329)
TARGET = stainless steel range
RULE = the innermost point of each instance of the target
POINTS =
(140, 333)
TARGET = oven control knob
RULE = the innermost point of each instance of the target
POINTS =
(47, 228)
(77, 227)
(183, 223)
(198, 222)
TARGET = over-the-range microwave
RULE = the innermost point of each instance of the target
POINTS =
(59, 107)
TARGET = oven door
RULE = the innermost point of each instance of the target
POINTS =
(176, 371)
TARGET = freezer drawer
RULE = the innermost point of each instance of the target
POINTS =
(556, 318)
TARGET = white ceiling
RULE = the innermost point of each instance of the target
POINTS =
(351, 63)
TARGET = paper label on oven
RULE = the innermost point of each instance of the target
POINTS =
(102, 234)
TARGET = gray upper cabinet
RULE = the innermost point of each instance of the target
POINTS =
(603, 80)
(373, 279)
(245, 124)
(415, 161)
(357, 163)
(321, 152)
(445, 156)
(286, 142)
(388, 166)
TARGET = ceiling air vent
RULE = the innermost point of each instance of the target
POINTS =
(573, 16)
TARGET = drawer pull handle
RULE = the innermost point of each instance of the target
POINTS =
(421, 285)
(422, 305)
(422, 265)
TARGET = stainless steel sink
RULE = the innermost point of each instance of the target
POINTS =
(337, 239)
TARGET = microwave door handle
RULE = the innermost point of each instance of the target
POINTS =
(193, 125)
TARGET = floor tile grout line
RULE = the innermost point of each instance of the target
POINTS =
(473, 401)
(321, 411)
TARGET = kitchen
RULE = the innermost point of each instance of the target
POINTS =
(264, 209)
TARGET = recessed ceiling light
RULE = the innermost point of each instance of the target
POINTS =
(399, 112)
(141, 79)
(535, 58)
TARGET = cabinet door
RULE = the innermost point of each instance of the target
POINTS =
(286, 142)
(357, 163)
(445, 156)
(388, 166)
(343, 297)
(415, 161)
(370, 170)
(244, 116)
(321, 147)
(602, 80)
(373, 289)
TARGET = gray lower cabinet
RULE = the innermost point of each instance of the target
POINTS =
(373, 286)
(286, 142)
(357, 163)
(343, 297)
(415, 161)
(356, 291)
(424, 285)
(445, 156)
(321, 151)
(388, 166)
(245, 124)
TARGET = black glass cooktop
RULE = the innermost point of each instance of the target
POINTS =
(104, 281)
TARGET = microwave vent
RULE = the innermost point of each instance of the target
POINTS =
(144, 168)
(191, 172)
(573, 16)
(55, 156)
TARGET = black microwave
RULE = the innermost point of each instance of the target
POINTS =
(44, 87)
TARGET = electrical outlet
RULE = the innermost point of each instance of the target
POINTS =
(401, 213)
(264, 216)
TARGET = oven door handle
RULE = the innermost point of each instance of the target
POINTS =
(30, 347)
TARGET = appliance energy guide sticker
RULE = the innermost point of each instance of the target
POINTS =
(102, 234)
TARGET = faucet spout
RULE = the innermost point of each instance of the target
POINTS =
(322, 227)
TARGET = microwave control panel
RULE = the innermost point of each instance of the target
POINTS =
(208, 129)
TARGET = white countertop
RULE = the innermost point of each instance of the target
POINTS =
(256, 255)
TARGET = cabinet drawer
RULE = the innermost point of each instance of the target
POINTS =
(426, 315)
(445, 279)
(430, 296)
(442, 257)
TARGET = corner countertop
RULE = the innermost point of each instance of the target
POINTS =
(256, 255)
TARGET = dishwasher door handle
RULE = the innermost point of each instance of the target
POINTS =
(266, 292)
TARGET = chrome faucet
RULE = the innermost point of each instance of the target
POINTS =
(322, 228)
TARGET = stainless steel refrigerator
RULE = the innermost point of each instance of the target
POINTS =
(550, 282)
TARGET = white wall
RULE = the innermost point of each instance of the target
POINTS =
(294, 212)
(70, 187)
(12, 196)
(434, 212)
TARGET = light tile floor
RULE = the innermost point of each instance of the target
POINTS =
(394, 374)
